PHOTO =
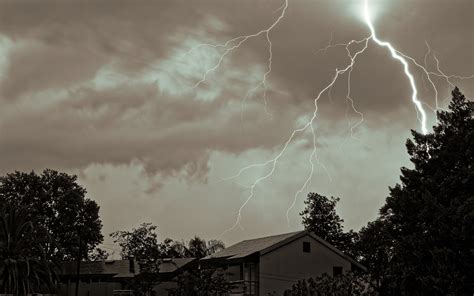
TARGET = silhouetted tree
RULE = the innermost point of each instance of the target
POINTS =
(430, 215)
(198, 247)
(140, 243)
(58, 204)
(201, 282)
(320, 217)
(24, 266)
(374, 250)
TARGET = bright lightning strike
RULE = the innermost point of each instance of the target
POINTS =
(400, 58)
(235, 43)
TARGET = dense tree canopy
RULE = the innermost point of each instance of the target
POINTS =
(426, 227)
(59, 204)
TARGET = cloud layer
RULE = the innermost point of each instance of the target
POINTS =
(106, 88)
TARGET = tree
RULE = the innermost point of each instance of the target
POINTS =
(198, 247)
(24, 266)
(58, 204)
(374, 250)
(201, 282)
(320, 217)
(431, 213)
(140, 243)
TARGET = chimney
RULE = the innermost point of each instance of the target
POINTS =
(131, 265)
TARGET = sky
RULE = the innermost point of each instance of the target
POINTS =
(117, 93)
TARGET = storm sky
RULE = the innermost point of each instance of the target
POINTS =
(105, 90)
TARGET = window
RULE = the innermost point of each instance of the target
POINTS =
(306, 247)
(336, 270)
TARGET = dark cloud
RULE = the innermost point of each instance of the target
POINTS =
(106, 86)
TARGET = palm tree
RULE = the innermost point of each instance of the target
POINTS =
(198, 247)
(23, 265)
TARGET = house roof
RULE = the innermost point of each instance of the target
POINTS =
(115, 268)
(170, 265)
(121, 268)
(251, 246)
(264, 245)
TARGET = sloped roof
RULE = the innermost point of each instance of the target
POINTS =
(251, 246)
(121, 268)
(116, 268)
(267, 244)
(171, 265)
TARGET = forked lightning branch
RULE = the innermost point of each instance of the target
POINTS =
(405, 61)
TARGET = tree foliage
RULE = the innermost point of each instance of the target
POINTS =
(142, 243)
(320, 217)
(198, 247)
(24, 266)
(348, 284)
(374, 250)
(426, 227)
(201, 282)
(58, 204)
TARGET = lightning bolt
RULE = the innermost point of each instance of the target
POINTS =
(400, 58)
(404, 59)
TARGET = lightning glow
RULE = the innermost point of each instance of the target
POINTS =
(406, 68)
(233, 44)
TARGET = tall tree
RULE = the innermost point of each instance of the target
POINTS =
(431, 213)
(320, 217)
(141, 244)
(58, 204)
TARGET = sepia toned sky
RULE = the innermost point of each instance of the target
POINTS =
(105, 90)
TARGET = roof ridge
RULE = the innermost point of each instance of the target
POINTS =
(274, 235)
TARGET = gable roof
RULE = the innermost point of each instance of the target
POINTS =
(115, 268)
(121, 268)
(264, 245)
(170, 265)
(251, 246)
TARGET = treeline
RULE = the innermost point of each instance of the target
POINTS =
(46, 219)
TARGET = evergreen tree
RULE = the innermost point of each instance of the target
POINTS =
(431, 213)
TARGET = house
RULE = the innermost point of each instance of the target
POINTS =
(273, 264)
(114, 277)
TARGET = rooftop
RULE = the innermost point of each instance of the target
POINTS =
(251, 246)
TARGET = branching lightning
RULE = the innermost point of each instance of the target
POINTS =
(233, 44)
(397, 56)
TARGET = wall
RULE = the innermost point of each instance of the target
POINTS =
(286, 265)
(89, 289)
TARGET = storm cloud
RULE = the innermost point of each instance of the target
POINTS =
(107, 90)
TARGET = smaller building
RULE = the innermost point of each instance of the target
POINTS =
(273, 264)
(114, 277)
